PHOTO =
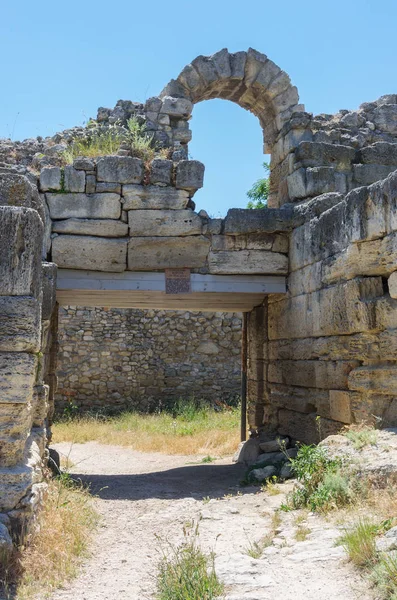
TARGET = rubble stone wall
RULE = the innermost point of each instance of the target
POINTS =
(119, 359)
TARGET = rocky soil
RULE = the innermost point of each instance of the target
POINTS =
(145, 496)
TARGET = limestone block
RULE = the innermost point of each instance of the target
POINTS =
(306, 280)
(84, 206)
(189, 175)
(296, 183)
(19, 324)
(337, 310)
(40, 405)
(380, 153)
(320, 374)
(214, 226)
(240, 221)
(47, 230)
(386, 313)
(89, 252)
(49, 283)
(385, 118)
(176, 107)
(120, 169)
(161, 171)
(21, 239)
(247, 262)
(324, 179)
(15, 425)
(16, 190)
(164, 223)
(340, 406)
(367, 174)
(208, 347)
(392, 284)
(167, 252)
(153, 197)
(304, 400)
(82, 163)
(17, 376)
(255, 62)
(316, 154)
(305, 428)
(98, 227)
(206, 69)
(14, 484)
(237, 64)
(74, 179)
(381, 379)
(50, 179)
(105, 186)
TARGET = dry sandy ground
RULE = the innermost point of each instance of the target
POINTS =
(143, 496)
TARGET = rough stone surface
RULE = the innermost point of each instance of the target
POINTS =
(248, 262)
(155, 253)
(169, 223)
(120, 169)
(89, 252)
(84, 206)
(19, 324)
(125, 358)
(190, 175)
(153, 197)
(97, 227)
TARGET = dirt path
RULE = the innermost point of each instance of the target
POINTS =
(142, 496)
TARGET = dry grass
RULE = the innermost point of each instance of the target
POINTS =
(204, 432)
(56, 549)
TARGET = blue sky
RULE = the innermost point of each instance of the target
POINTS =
(61, 60)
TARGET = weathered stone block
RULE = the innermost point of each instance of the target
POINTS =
(304, 428)
(176, 107)
(50, 179)
(380, 153)
(340, 406)
(74, 179)
(167, 252)
(14, 484)
(296, 183)
(153, 197)
(367, 174)
(381, 379)
(167, 223)
(161, 171)
(392, 284)
(21, 239)
(385, 118)
(49, 283)
(337, 310)
(40, 405)
(316, 154)
(91, 253)
(98, 227)
(16, 190)
(189, 175)
(321, 180)
(120, 169)
(84, 206)
(82, 163)
(320, 374)
(15, 424)
(90, 186)
(17, 377)
(240, 221)
(247, 262)
(19, 324)
(105, 186)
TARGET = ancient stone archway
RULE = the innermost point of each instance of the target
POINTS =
(249, 79)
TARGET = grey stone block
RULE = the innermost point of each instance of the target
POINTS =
(120, 169)
(296, 183)
(241, 220)
(17, 377)
(21, 239)
(385, 118)
(50, 179)
(320, 180)
(49, 283)
(90, 184)
(104, 186)
(176, 107)
(367, 174)
(83, 163)
(166, 223)
(95, 206)
(153, 197)
(19, 324)
(16, 190)
(14, 484)
(380, 153)
(315, 154)
(161, 171)
(91, 253)
(247, 262)
(98, 227)
(167, 252)
(74, 179)
(190, 175)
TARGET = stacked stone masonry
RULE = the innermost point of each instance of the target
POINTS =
(324, 349)
(126, 359)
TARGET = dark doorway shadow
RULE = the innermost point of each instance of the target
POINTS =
(196, 481)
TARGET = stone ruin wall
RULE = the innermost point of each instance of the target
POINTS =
(326, 348)
(125, 359)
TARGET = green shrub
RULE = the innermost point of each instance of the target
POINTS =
(185, 572)
(359, 543)
(365, 436)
